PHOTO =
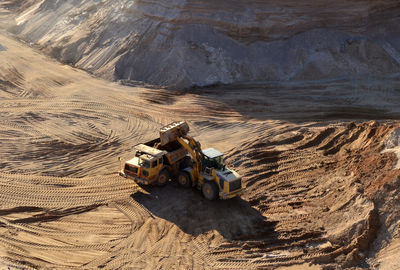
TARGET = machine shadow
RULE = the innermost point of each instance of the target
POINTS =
(234, 219)
(316, 100)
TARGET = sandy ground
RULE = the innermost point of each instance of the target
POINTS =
(320, 191)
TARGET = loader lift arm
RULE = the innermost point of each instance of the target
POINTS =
(194, 148)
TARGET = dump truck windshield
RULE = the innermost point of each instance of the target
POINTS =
(144, 163)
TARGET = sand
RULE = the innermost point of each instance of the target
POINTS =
(320, 191)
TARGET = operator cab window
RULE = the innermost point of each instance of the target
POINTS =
(219, 162)
(206, 162)
(216, 162)
(213, 158)
(160, 161)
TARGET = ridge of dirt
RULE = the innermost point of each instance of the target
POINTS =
(320, 188)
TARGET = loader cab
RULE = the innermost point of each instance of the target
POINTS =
(212, 158)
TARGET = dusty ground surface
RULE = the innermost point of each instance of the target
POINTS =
(321, 177)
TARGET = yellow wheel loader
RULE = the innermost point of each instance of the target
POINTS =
(176, 154)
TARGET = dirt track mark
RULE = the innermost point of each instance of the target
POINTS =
(295, 196)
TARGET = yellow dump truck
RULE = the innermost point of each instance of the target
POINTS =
(177, 155)
(154, 163)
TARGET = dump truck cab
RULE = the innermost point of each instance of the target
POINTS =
(147, 166)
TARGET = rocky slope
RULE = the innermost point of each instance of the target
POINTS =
(184, 43)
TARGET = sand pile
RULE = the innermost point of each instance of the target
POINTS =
(195, 43)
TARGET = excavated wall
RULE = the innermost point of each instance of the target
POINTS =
(184, 43)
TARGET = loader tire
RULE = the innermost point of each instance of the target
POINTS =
(184, 179)
(163, 178)
(210, 191)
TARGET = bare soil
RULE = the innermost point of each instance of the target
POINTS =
(320, 191)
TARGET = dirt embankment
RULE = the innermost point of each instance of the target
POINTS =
(186, 43)
(325, 189)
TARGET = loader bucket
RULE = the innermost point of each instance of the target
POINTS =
(171, 132)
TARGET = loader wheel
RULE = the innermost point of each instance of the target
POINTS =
(184, 179)
(163, 177)
(210, 191)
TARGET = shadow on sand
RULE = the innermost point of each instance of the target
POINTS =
(234, 219)
(364, 98)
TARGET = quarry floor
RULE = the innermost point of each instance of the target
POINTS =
(321, 191)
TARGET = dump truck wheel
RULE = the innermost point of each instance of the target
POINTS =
(210, 191)
(163, 177)
(184, 179)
